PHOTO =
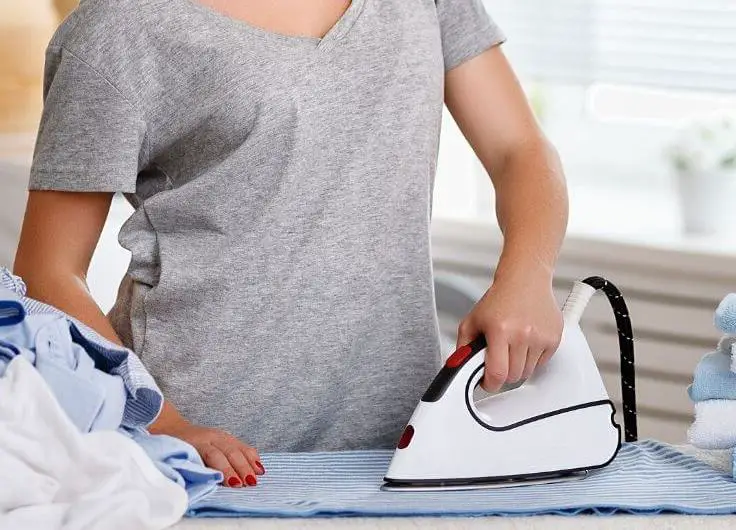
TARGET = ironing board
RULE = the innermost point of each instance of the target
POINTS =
(583, 522)
(718, 460)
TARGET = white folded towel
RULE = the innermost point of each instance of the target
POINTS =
(53, 477)
(715, 424)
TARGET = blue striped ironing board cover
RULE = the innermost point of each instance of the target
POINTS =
(646, 477)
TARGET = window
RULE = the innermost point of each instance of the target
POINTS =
(611, 82)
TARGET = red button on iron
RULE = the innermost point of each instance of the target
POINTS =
(457, 358)
(406, 437)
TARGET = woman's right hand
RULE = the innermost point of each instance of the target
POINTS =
(220, 450)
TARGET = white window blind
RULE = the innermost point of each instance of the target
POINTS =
(681, 44)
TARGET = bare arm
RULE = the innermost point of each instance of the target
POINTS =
(60, 232)
(487, 102)
(518, 314)
(59, 235)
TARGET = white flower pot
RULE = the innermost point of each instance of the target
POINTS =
(707, 202)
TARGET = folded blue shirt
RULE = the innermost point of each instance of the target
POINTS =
(178, 461)
(713, 378)
(99, 384)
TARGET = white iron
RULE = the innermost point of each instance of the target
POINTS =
(558, 425)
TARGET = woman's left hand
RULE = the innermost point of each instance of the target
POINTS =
(522, 324)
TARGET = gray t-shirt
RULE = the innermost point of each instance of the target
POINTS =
(280, 285)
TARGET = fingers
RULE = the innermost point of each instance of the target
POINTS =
(255, 460)
(522, 354)
(546, 356)
(519, 346)
(467, 332)
(243, 459)
(240, 464)
(497, 364)
(514, 351)
(496, 358)
(517, 361)
(215, 458)
(534, 354)
(551, 343)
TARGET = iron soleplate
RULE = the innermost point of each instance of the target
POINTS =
(482, 484)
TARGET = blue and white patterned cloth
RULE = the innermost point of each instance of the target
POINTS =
(142, 397)
(645, 478)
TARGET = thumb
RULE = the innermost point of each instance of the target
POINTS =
(467, 332)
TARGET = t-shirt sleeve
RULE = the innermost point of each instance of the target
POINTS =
(91, 137)
(467, 30)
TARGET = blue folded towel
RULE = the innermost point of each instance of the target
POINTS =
(713, 378)
(179, 462)
(725, 315)
(645, 478)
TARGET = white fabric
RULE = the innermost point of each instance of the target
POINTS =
(52, 477)
(715, 424)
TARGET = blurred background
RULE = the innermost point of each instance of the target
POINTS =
(639, 97)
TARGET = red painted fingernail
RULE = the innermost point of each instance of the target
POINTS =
(251, 480)
(234, 482)
(260, 466)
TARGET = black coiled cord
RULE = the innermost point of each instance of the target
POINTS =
(626, 345)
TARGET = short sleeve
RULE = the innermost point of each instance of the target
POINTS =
(467, 30)
(90, 137)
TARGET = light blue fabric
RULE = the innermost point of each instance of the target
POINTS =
(713, 378)
(92, 399)
(11, 309)
(99, 384)
(178, 461)
(725, 314)
(646, 478)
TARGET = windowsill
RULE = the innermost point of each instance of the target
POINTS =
(646, 218)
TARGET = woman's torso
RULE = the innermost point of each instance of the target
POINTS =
(280, 285)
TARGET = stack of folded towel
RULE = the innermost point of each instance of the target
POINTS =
(714, 388)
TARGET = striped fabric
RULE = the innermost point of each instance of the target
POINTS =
(646, 478)
(144, 397)
(11, 312)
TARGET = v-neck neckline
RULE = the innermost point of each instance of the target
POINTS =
(338, 30)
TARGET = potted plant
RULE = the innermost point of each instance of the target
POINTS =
(703, 160)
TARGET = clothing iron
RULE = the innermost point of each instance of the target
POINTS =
(558, 425)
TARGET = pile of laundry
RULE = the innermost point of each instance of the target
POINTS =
(713, 389)
(74, 408)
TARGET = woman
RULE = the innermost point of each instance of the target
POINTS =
(280, 157)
